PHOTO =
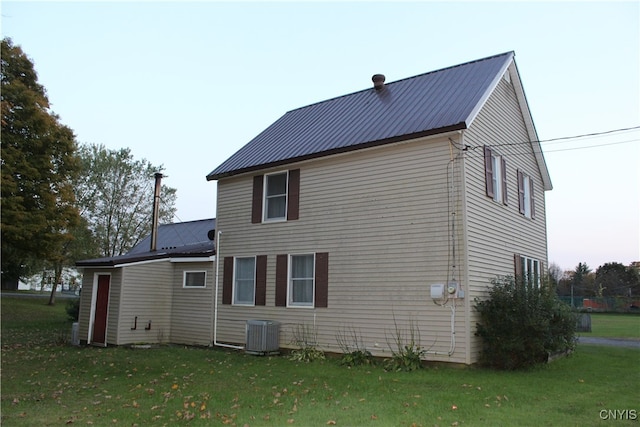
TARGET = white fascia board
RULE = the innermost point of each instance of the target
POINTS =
(193, 259)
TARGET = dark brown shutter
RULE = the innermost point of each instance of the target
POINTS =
(532, 198)
(488, 172)
(322, 279)
(256, 204)
(227, 280)
(261, 280)
(517, 267)
(282, 274)
(521, 191)
(504, 181)
(294, 195)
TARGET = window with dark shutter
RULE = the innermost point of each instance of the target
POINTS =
(261, 280)
(256, 204)
(322, 280)
(227, 280)
(282, 271)
(488, 171)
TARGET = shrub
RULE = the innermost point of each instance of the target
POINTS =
(406, 352)
(305, 338)
(522, 324)
(73, 309)
(354, 351)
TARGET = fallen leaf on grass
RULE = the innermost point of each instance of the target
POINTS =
(331, 423)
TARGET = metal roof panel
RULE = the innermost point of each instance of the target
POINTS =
(439, 100)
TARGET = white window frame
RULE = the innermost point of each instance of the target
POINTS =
(290, 280)
(530, 270)
(235, 282)
(266, 197)
(498, 191)
(187, 272)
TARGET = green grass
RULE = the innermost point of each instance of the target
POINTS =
(46, 383)
(614, 326)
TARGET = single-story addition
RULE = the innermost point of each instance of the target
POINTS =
(159, 292)
(388, 209)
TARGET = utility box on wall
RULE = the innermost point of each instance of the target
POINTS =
(263, 337)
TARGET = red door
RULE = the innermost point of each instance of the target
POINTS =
(99, 335)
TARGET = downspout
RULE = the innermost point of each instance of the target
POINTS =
(464, 267)
(215, 304)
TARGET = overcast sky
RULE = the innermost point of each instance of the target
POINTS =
(185, 85)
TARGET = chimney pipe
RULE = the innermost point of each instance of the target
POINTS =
(156, 211)
(378, 81)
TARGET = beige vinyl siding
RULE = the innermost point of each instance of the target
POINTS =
(192, 308)
(496, 232)
(382, 215)
(147, 296)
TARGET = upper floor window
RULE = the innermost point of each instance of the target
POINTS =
(276, 196)
(194, 279)
(525, 195)
(495, 170)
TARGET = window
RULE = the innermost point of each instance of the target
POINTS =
(495, 169)
(194, 279)
(276, 197)
(244, 282)
(301, 280)
(527, 270)
(525, 195)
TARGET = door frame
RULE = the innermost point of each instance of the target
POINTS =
(94, 298)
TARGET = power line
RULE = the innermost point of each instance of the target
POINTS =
(588, 135)
(564, 139)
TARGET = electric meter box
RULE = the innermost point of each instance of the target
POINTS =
(437, 291)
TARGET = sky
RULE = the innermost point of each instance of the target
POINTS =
(186, 84)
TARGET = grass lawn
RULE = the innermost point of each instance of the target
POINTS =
(48, 383)
(613, 325)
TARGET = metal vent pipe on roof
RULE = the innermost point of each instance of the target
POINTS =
(156, 211)
(378, 81)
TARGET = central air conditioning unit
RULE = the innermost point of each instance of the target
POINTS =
(263, 337)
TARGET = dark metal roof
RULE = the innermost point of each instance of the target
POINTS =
(178, 240)
(176, 235)
(427, 104)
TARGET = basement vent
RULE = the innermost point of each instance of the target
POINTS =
(263, 337)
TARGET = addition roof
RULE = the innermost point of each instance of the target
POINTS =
(192, 239)
(428, 104)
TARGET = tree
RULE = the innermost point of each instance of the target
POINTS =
(39, 165)
(614, 279)
(582, 280)
(115, 195)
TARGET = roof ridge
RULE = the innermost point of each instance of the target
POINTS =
(511, 52)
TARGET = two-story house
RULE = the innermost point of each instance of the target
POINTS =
(386, 209)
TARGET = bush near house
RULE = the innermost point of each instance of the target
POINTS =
(521, 324)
